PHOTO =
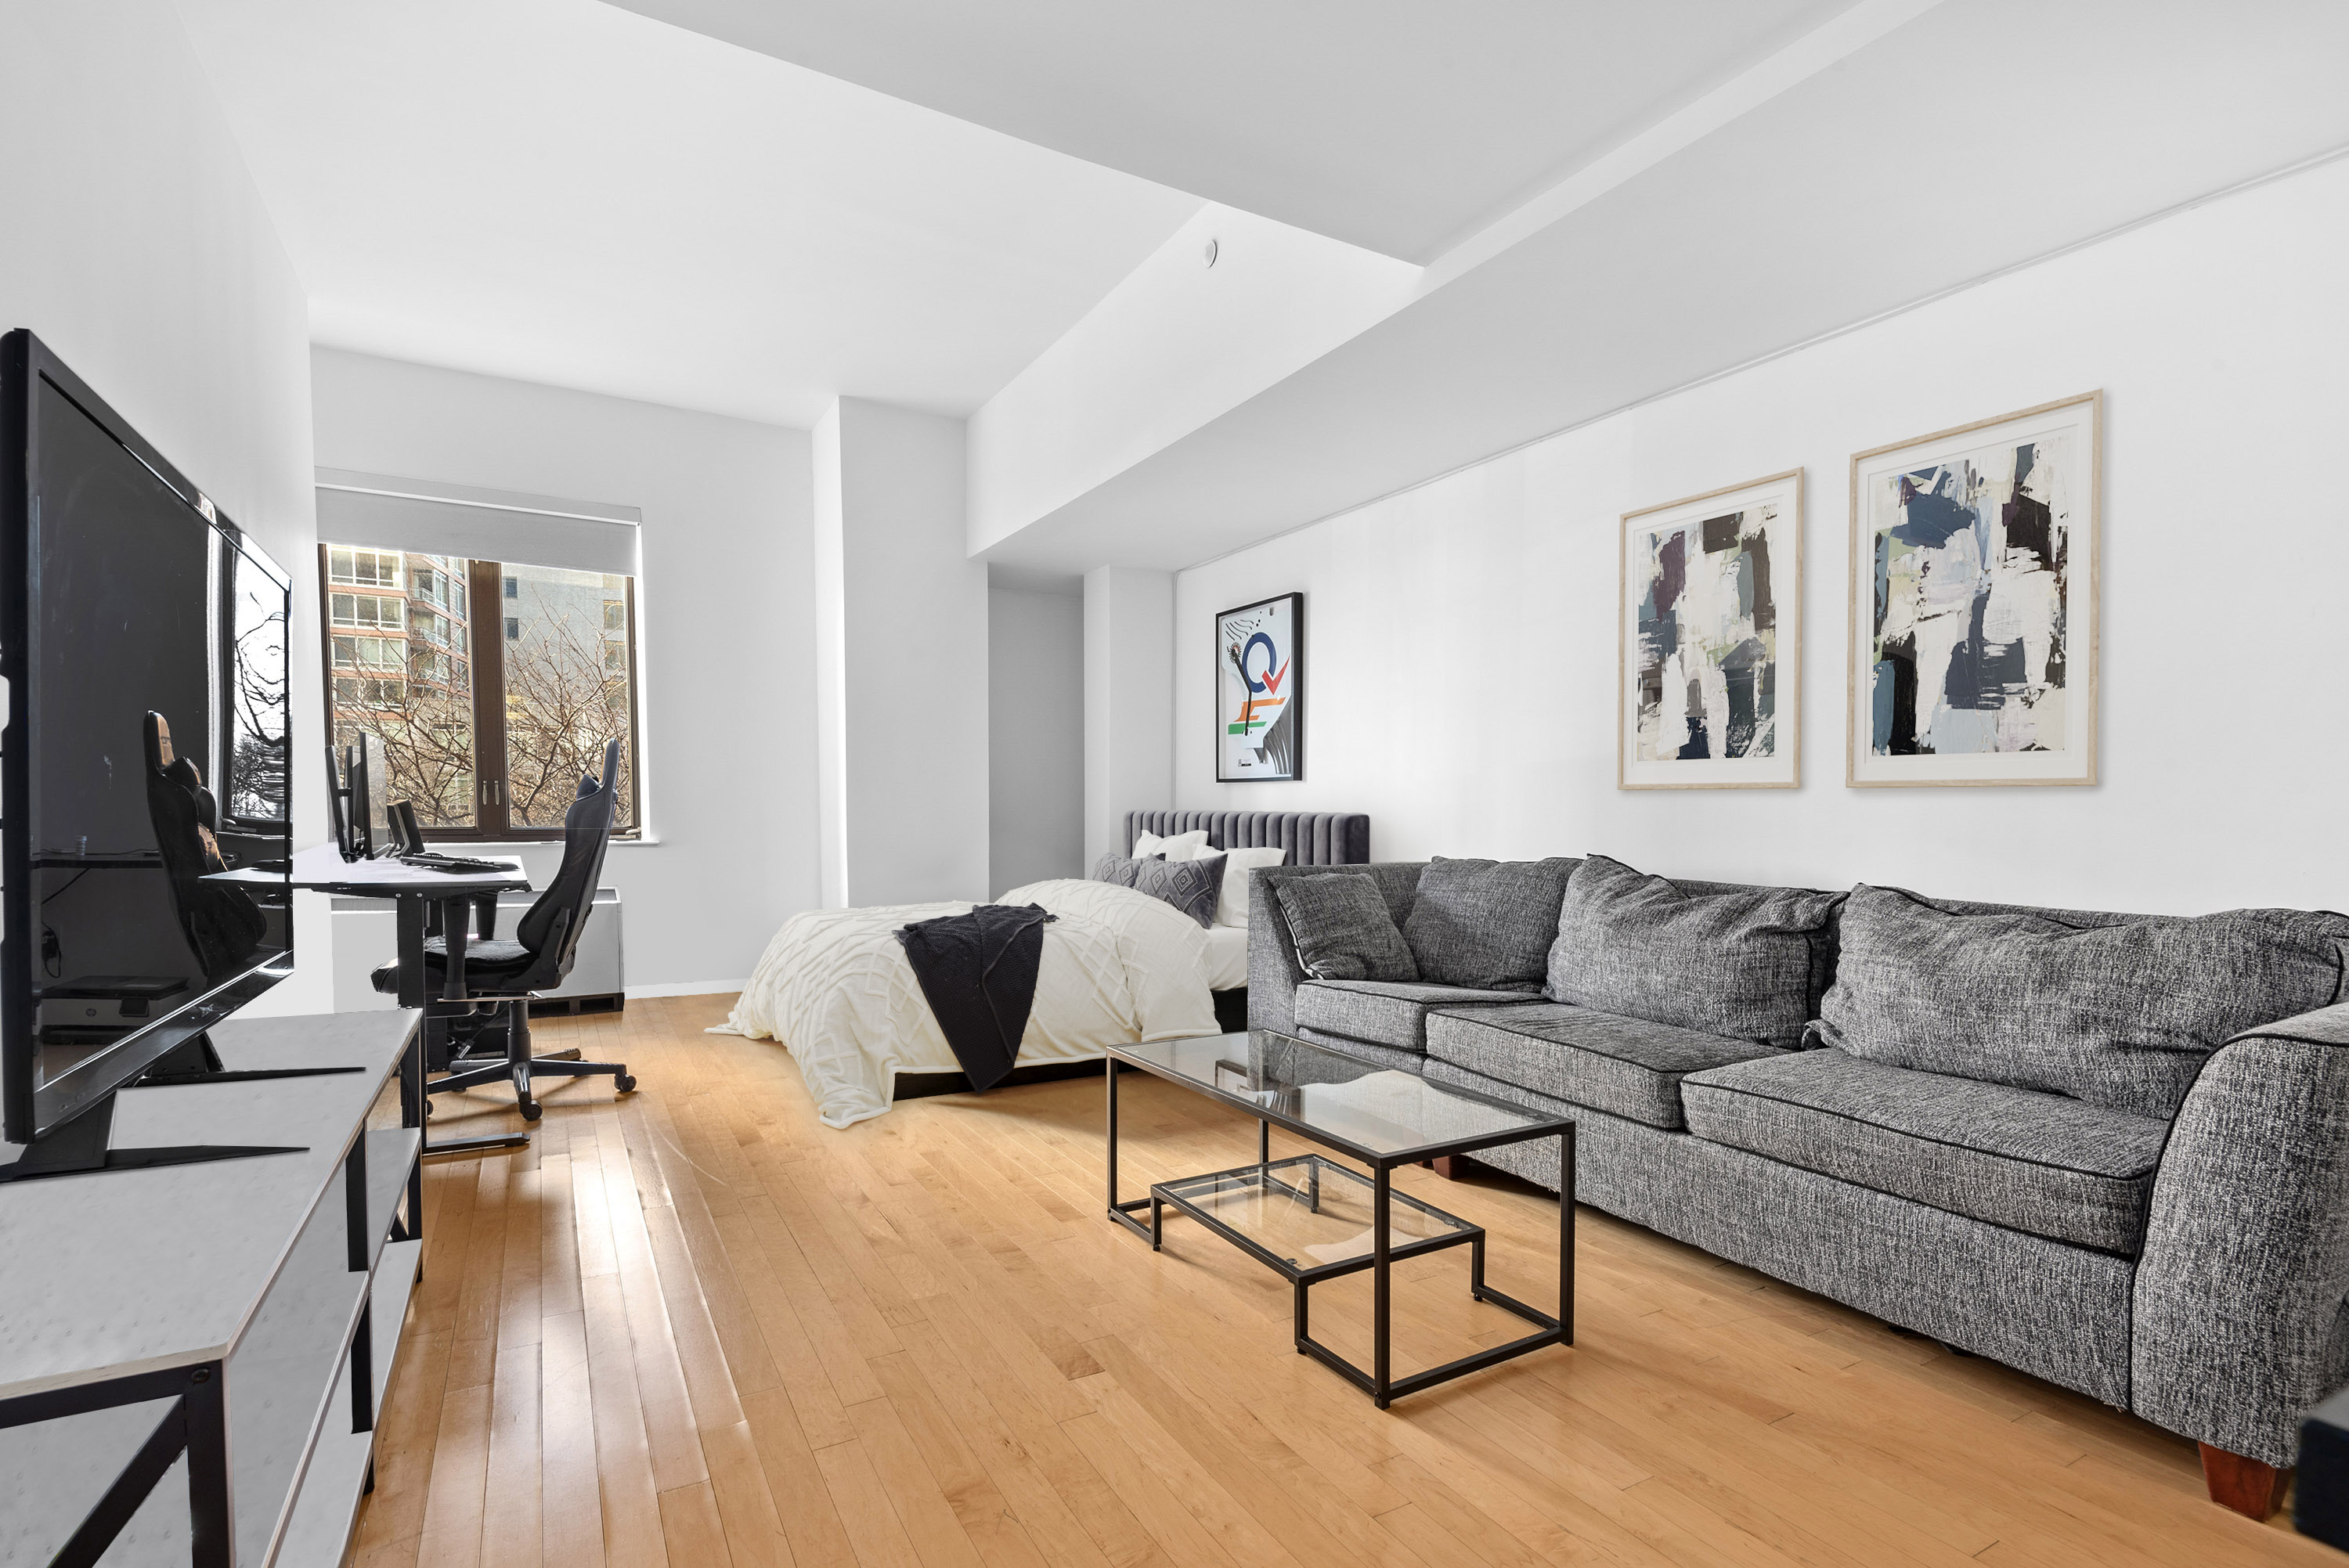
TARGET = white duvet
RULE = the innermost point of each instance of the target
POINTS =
(834, 988)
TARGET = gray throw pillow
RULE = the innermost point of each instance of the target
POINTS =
(1738, 962)
(1487, 924)
(1121, 870)
(1342, 929)
(1191, 886)
(2119, 1011)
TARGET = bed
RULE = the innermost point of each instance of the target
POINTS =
(1117, 966)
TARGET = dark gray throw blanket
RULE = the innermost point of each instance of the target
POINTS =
(977, 971)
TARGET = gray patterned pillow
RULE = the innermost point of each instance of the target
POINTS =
(1486, 924)
(1342, 929)
(2120, 1014)
(1119, 869)
(1735, 963)
(1191, 886)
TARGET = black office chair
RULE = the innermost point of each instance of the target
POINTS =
(504, 974)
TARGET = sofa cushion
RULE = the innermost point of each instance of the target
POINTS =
(2118, 1010)
(2051, 1166)
(1486, 924)
(1627, 1066)
(1742, 962)
(1387, 1013)
(1342, 930)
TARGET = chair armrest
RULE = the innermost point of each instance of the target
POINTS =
(2239, 1324)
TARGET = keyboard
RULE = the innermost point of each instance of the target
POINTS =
(454, 865)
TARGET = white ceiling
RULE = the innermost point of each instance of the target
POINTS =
(1395, 125)
(1869, 185)
(562, 192)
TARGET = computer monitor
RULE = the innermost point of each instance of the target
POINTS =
(358, 787)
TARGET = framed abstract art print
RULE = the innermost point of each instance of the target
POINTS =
(1973, 602)
(1709, 663)
(1260, 691)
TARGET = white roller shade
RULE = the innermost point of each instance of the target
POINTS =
(434, 519)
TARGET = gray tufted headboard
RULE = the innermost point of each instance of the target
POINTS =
(1311, 838)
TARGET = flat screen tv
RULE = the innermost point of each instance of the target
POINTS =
(144, 756)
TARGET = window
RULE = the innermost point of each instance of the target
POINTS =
(486, 740)
(363, 610)
(369, 652)
(363, 568)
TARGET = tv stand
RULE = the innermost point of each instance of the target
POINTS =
(196, 1358)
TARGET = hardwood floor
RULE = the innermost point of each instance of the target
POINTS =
(696, 1327)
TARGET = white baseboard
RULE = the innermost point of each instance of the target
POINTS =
(687, 988)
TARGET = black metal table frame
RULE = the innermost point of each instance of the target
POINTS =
(1379, 1382)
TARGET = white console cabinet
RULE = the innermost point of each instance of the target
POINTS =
(191, 1356)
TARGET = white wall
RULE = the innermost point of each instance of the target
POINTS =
(901, 693)
(726, 622)
(1460, 654)
(1035, 736)
(1130, 644)
(138, 250)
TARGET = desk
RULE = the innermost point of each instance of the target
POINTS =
(322, 869)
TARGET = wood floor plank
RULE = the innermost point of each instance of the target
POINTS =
(511, 1501)
(623, 1460)
(690, 1529)
(745, 1504)
(866, 1511)
(452, 1509)
(571, 1502)
(810, 1520)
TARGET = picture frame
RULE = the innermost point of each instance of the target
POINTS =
(1973, 600)
(1709, 646)
(1260, 691)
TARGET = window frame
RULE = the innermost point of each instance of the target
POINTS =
(487, 659)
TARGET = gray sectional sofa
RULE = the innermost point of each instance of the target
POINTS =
(2160, 1223)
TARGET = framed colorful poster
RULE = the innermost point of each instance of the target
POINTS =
(1709, 667)
(1260, 690)
(1973, 602)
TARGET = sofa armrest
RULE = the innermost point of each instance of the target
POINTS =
(2239, 1323)
(1274, 973)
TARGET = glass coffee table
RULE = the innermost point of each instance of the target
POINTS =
(1309, 1218)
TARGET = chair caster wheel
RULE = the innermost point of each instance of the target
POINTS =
(533, 1110)
(622, 1083)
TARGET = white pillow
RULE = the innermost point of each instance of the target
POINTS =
(1180, 847)
(1232, 904)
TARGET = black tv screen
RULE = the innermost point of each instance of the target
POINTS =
(143, 639)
